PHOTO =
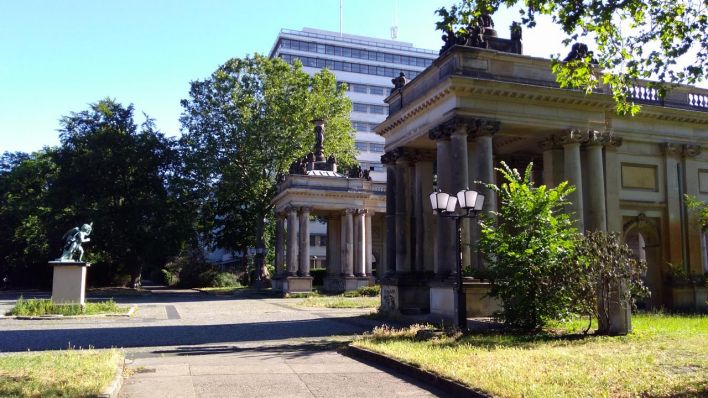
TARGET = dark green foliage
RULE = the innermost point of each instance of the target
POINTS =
(115, 174)
(191, 270)
(318, 275)
(36, 307)
(634, 39)
(529, 247)
(365, 291)
(608, 276)
(244, 125)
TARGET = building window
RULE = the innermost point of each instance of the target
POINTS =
(362, 146)
(359, 107)
(376, 147)
(347, 66)
(376, 90)
(313, 240)
(378, 109)
(360, 88)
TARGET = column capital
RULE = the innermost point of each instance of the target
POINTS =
(362, 211)
(440, 132)
(305, 209)
(672, 149)
(487, 127)
(602, 138)
(281, 215)
(549, 143)
(291, 208)
(349, 211)
(691, 150)
(572, 136)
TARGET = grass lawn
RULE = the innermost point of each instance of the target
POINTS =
(340, 302)
(664, 356)
(34, 307)
(72, 373)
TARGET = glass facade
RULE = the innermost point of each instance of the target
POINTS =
(322, 63)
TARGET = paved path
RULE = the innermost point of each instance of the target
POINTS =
(188, 344)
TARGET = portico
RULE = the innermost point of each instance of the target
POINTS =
(451, 126)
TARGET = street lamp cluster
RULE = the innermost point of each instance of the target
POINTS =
(444, 205)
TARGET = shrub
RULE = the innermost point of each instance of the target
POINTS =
(608, 277)
(529, 247)
(318, 275)
(365, 291)
(225, 279)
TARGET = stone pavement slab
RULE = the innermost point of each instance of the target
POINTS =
(291, 368)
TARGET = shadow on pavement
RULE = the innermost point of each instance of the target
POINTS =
(155, 336)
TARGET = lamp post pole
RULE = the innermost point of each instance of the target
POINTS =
(444, 205)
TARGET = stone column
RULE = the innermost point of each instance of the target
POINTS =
(369, 244)
(571, 140)
(348, 243)
(279, 244)
(552, 162)
(460, 179)
(596, 181)
(674, 203)
(291, 255)
(485, 161)
(304, 269)
(423, 214)
(360, 243)
(334, 262)
(403, 262)
(445, 255)
(388, 266)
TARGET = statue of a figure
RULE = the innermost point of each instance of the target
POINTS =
(319, 143)
(515, 30)
(73, 239)
(580, 51)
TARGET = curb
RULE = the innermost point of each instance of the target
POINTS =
(128, 314)
(112, 389)
(449, 386)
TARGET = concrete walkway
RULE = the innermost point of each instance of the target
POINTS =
(287, 369)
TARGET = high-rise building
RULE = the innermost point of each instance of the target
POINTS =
(367, 66)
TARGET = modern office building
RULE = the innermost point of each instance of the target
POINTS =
(367, 66)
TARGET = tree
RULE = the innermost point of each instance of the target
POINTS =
(115, 174)
(529, 245)
(699, 209)
(243, 126)
(26, 220)
(635, 39)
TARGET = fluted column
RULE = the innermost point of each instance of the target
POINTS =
(304, 269)
(571, 141)
(348, 242)
(360, 243)
(369, 244)
(597, 220)
(279, 244)
(485, 161)
(388, 266)
(445, 255)
(460, 178)
(402, 217)
(334, 262)
(291, 255)
(424, 221)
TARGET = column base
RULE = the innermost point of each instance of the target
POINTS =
(406, 293)
(69, 282)
(293, 284)
(339, 284)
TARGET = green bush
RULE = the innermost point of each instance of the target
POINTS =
(39, 307)
(318, 275)
(529, 246)
(225, 279)
(190, 271)
(365, 291)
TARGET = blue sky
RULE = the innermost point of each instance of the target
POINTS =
(58, 56)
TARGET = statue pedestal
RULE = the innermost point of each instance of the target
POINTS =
(69, 283)
(295, 284)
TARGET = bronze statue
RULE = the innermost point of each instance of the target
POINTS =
(73, 239)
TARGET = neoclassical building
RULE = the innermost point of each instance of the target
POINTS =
(474, 107)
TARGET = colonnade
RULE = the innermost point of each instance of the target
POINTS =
(349, 242)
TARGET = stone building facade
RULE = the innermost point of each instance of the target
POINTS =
(475, 107)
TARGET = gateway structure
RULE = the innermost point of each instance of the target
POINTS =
(484, 103)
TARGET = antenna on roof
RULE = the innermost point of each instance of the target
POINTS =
(340, 18)
(394, 24)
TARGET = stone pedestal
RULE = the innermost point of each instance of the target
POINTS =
(339, 284)
(478, 303)
(443, 302)
(406, 293)
(295, 284)
(69, 282)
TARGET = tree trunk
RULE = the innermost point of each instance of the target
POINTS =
(259, 259)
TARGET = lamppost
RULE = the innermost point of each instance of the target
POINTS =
(444, 205)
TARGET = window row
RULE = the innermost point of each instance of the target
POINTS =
(318, 240)
(363, 126)
(372, 166)
(368, 108)
(363, 146)
(355, 53)
(367, 89)
(348, 66)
